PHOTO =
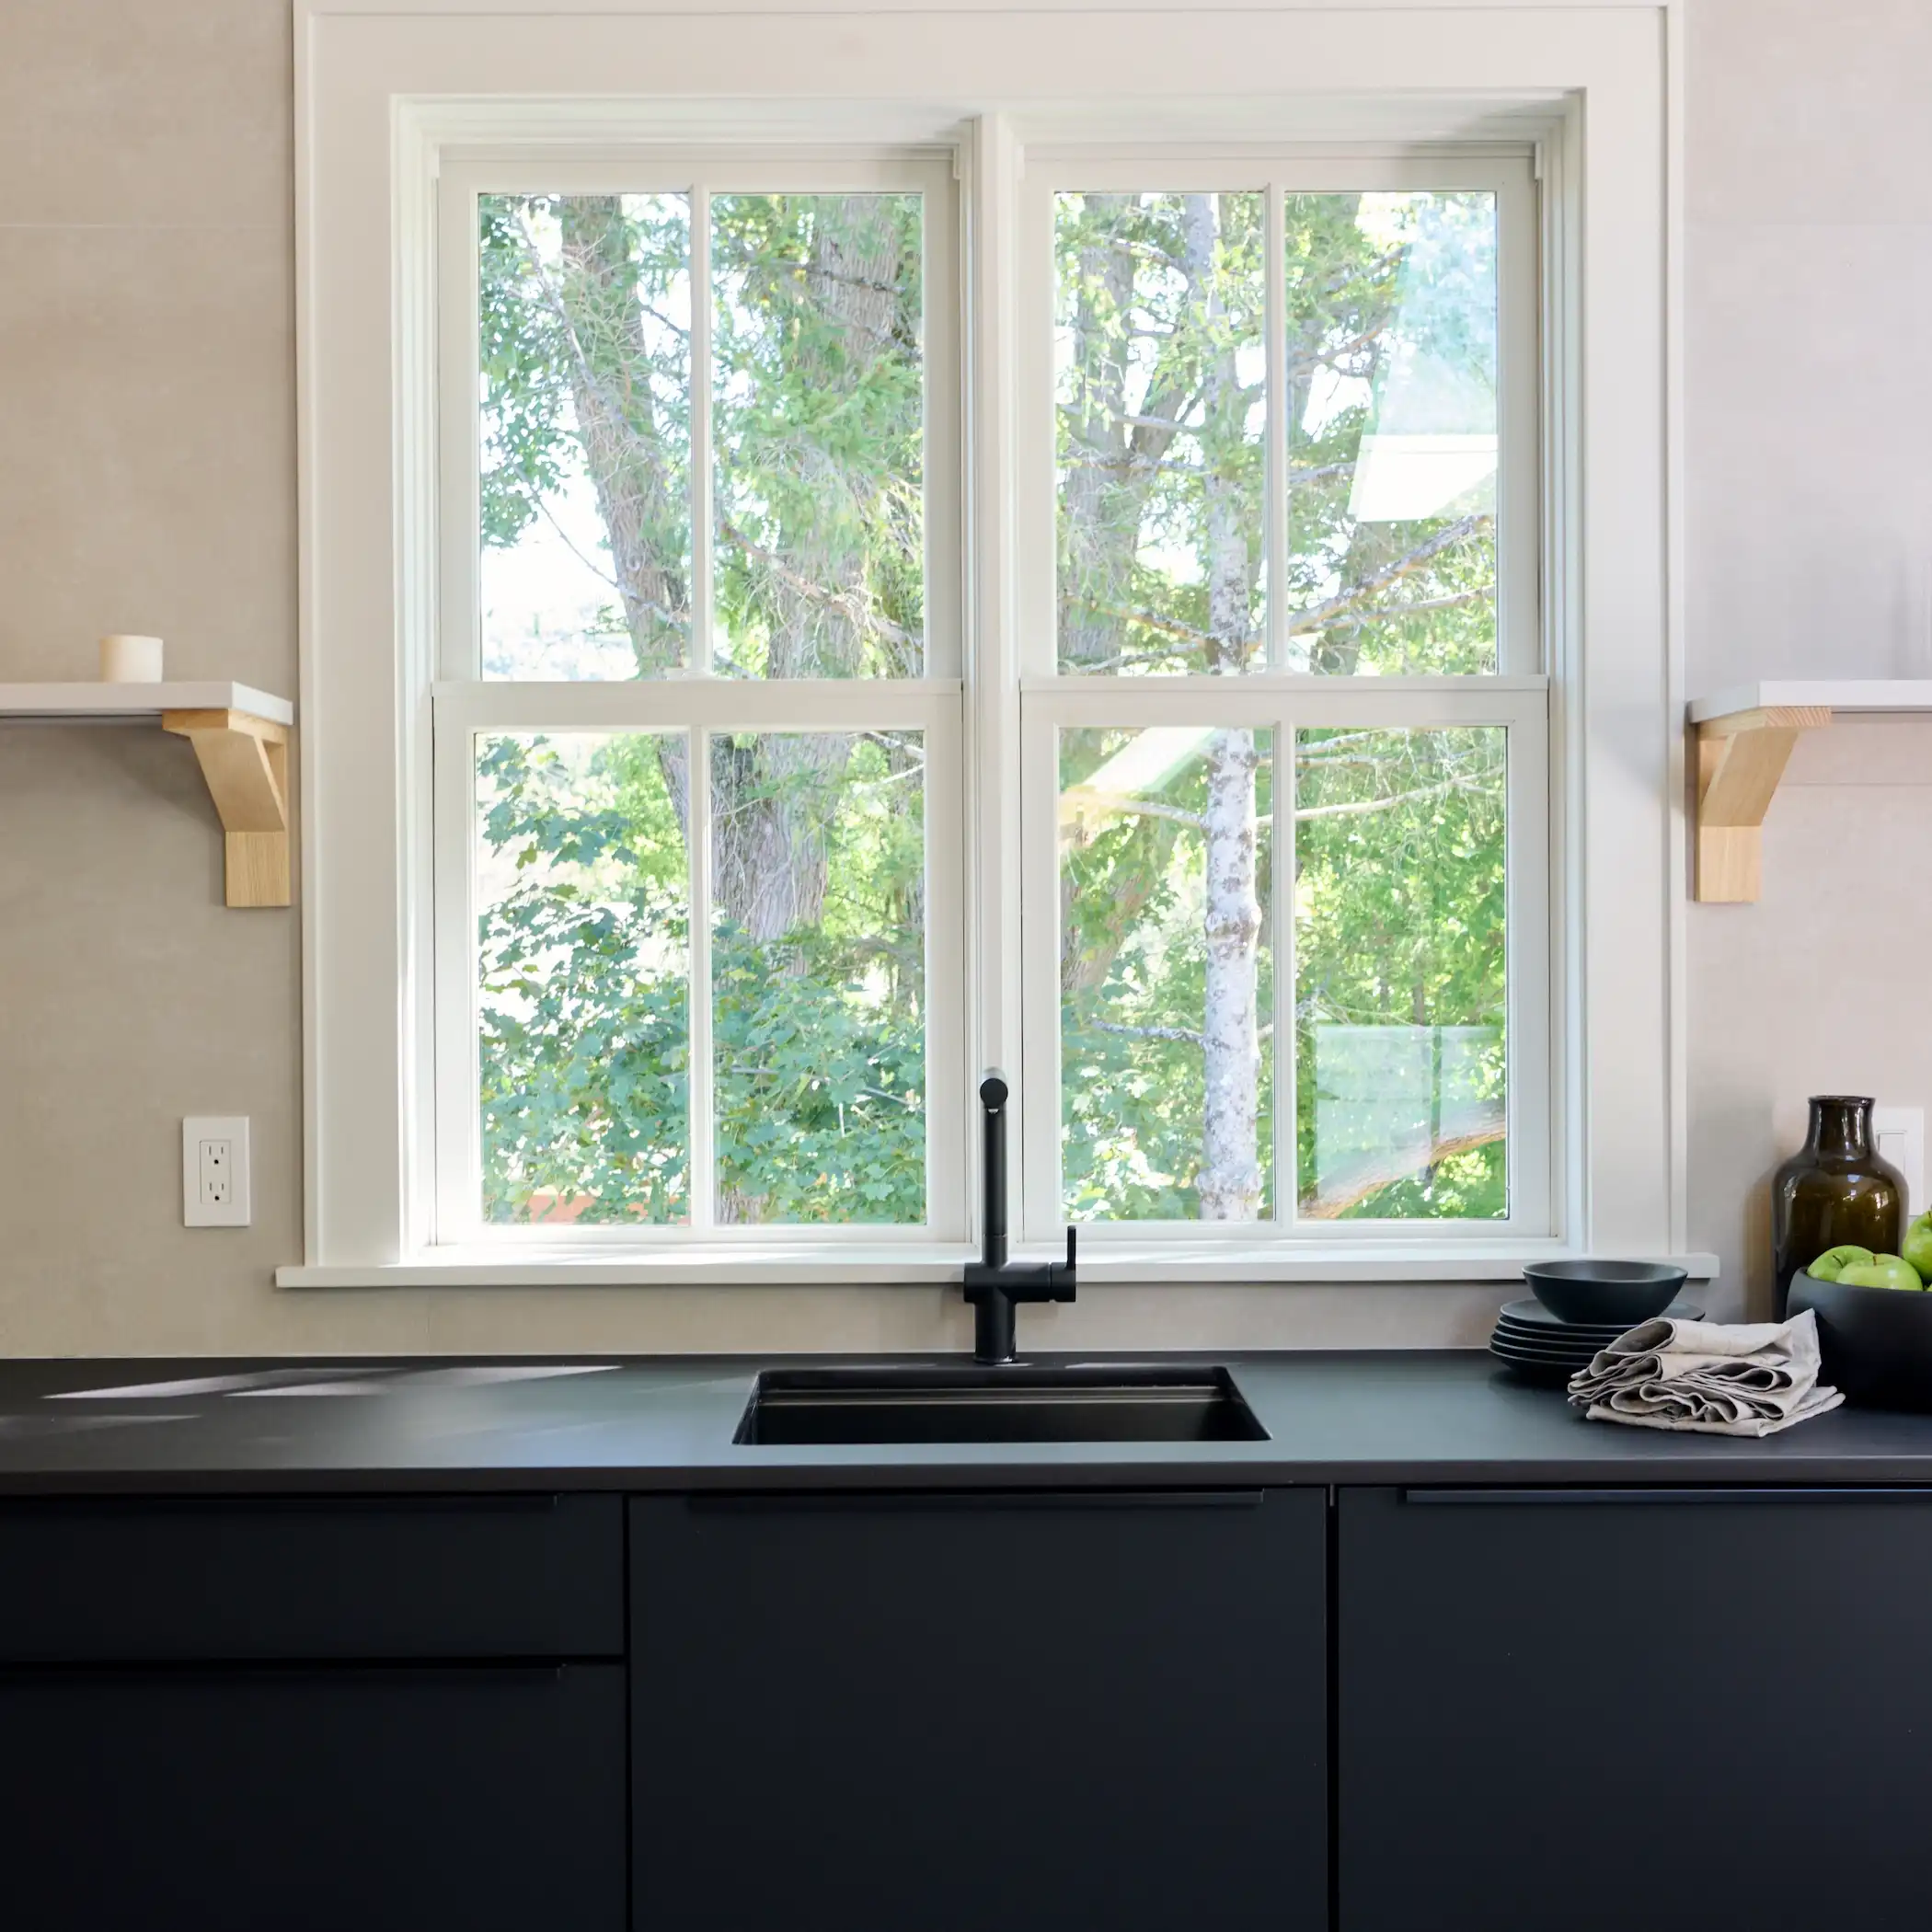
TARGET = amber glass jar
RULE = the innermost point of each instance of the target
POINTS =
(1834, 1192)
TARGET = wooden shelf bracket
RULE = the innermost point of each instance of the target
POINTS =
(1741, 758)
(245, 760)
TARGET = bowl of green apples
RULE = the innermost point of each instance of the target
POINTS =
(1874, 1315)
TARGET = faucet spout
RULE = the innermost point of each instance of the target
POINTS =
(995, 1286)
(993, 1092)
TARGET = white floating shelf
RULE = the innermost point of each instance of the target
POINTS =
(136, 702)
(241, 741)
(1904, 694)
(1744, 739)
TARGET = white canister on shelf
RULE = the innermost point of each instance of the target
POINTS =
(130, 661)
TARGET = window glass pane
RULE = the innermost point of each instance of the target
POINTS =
(584, 310)
(582, 921)
(1160, 379)
(1400, 968)
(1392, 447)
(1166, 974)
(818, 974)
(819, 429)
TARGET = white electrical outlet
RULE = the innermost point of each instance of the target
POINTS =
(214, 1170)
(1900, 1134)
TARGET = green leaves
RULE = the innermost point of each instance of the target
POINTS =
(818, 1036)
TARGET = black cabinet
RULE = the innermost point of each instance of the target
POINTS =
(122, 1579)
(392, 1800)
(1604, 1708)
(1019, 1712)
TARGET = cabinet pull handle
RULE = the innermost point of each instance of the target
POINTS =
(1466, 1499)
(279, 1505)
(925, 1501)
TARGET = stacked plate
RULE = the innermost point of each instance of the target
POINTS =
(1538, 1345)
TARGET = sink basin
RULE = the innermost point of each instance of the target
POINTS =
(1022, 1403)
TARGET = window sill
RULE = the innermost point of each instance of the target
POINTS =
(1160, 1264)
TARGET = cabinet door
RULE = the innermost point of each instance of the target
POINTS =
(1601, 1709)
(986, 1713)
(386, 1800)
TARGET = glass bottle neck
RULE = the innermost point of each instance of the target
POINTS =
(1842, 1128)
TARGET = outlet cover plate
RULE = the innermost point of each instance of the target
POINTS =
(214, 1170)
(1899, 1134)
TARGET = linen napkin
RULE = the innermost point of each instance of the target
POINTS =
(1725, 1378)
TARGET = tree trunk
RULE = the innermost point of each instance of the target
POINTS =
(771, 793)
(616, 423)
(1229, 1187)
(1100, 506)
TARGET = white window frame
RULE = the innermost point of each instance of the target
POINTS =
(387, 96)
(698, 703)
(1278, 699)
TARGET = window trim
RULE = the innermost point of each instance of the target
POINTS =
(382, 96)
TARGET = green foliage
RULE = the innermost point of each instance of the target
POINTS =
(1160, 310)
(817, 1010)
(818, 1039)
(1133, 972)
(1399, 923)
(1391, 315)
(585, 1025)
(820, 422)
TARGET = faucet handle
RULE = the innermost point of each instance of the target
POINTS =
(1060, 1275)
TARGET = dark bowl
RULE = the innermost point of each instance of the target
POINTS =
(1876, 1342)
(1626, 1292)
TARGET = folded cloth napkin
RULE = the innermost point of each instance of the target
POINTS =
(1744, 1378)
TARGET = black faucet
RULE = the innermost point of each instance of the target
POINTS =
(994, 1285)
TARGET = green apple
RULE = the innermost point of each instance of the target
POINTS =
(1881, 1272)
(1916, 1247)
(1830, 1266)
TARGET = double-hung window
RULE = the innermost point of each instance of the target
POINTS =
(701, 884)
(836, 557)
(699, 889)
(1284, 715)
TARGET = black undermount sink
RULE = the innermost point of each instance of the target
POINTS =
(1011, 1403)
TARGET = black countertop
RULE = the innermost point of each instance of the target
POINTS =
(598, 1423)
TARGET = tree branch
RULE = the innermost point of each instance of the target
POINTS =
(1083, 801)
(1356, 807)
(1320, 614)
(1182, 1035)
(1379, 1171)
(858, 609)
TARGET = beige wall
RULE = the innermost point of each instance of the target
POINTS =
(146, 483)
(1809, 418)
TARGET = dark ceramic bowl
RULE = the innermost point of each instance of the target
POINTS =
(1876, 1342)
(1621, 1292)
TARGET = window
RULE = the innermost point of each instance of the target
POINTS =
(687, 744)
(810, 592)
(699, 883)
(1285, 725)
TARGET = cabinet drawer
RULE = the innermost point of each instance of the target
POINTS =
(395, 1797)
(127, 1580)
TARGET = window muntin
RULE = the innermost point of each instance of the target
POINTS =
(690, 989)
